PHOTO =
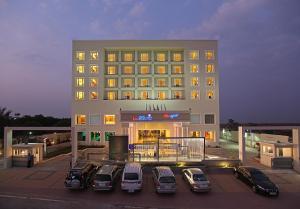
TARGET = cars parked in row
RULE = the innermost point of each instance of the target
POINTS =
(257, 180)
(80, 176)
(196, 179)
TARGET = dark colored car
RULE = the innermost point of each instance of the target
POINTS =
(80, 176)
(257, 180)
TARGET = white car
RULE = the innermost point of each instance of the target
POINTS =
(196, 179)
(132, 177)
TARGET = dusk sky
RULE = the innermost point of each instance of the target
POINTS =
(259, 49)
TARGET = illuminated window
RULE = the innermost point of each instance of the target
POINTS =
(194, 68)
(177, 56)
(144, 69)
(144, 82)
(210, 68)
(177, 69)
(93, 82)
(161, 57)
(94, 119)
(80, 56)
(80, 119)
(194, 94)
(128, 56)
(209, 55)
(128, 69)
(209, 119)
(109, 119)
(128, 95)
(160, 69)
(80, 69)
(111, 70)
(94, 55)
(111, 82)
(144, 95)
(81, 136)
(161, 82)
(194, 55)
(111, 57)
(209, 135)
(79, 95)
(195, 81)
(95, 136)
(210, 81)
(177, 82)
(79, 82)
(144, 57)
(177, 94)
(195, 134)
(128, 82)
(161, 95)
(93, 95)
(94, 68)
(111, 95)
(210, 94)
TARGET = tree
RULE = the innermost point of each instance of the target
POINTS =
(5, 117)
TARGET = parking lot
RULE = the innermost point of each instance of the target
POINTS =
(43, 186)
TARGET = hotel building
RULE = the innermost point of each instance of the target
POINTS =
(144, 89)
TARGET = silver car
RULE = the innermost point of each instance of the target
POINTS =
(196, 179)
(106, 177)
(164, 179)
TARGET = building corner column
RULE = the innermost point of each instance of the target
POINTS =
(242, 149)
(74, 146)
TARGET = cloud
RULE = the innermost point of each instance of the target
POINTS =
(137, 9)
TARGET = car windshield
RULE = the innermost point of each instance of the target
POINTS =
(167, 179)
(75, 175)
(199, 177)
(131, 176)
(102, 177)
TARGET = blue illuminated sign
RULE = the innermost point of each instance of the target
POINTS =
(147, 117)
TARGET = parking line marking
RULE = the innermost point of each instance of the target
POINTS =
(32, 198)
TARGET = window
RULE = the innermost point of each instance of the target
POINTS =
(95, 136)
(144, 82)
(210, 81)
(107, 135)
(210, 68)
(177, 69)
(94, 68)
(80, 56)
(195, 118)
(209, 119)
(128, 82)
(177, 94)
(93, 82)
(161, 82)
(94, 119)
(127, 95)
(161, 57)
(111, 57)
(267, 150)
(160, 69)
(111, 95)
(144, 56)
(177, 82)
(128, 69)
(111, 82)
(80, 119)
(81, 136)
(209, 135)
(93, 95)
(195, 134)
(93, 55)
(80, 69)
(79, 82)
(194, 68)
(209, 55)
(144, 95)
(194, 94)
(144, 69)
(177, 56)
(194, 55)
(128, 56)
(161, 95)
(195, 81)
(109, 119)
(111, 70)
(210, 94)
(79, 95)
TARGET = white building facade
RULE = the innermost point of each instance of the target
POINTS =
(144, 89)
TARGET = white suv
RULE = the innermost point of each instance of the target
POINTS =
(132, 177)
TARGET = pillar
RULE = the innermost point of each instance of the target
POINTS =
(242, 150)
(74, 145)
(7, 147)
(296, 148)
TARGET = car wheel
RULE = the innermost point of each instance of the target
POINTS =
(236, 175)
(254, 189)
